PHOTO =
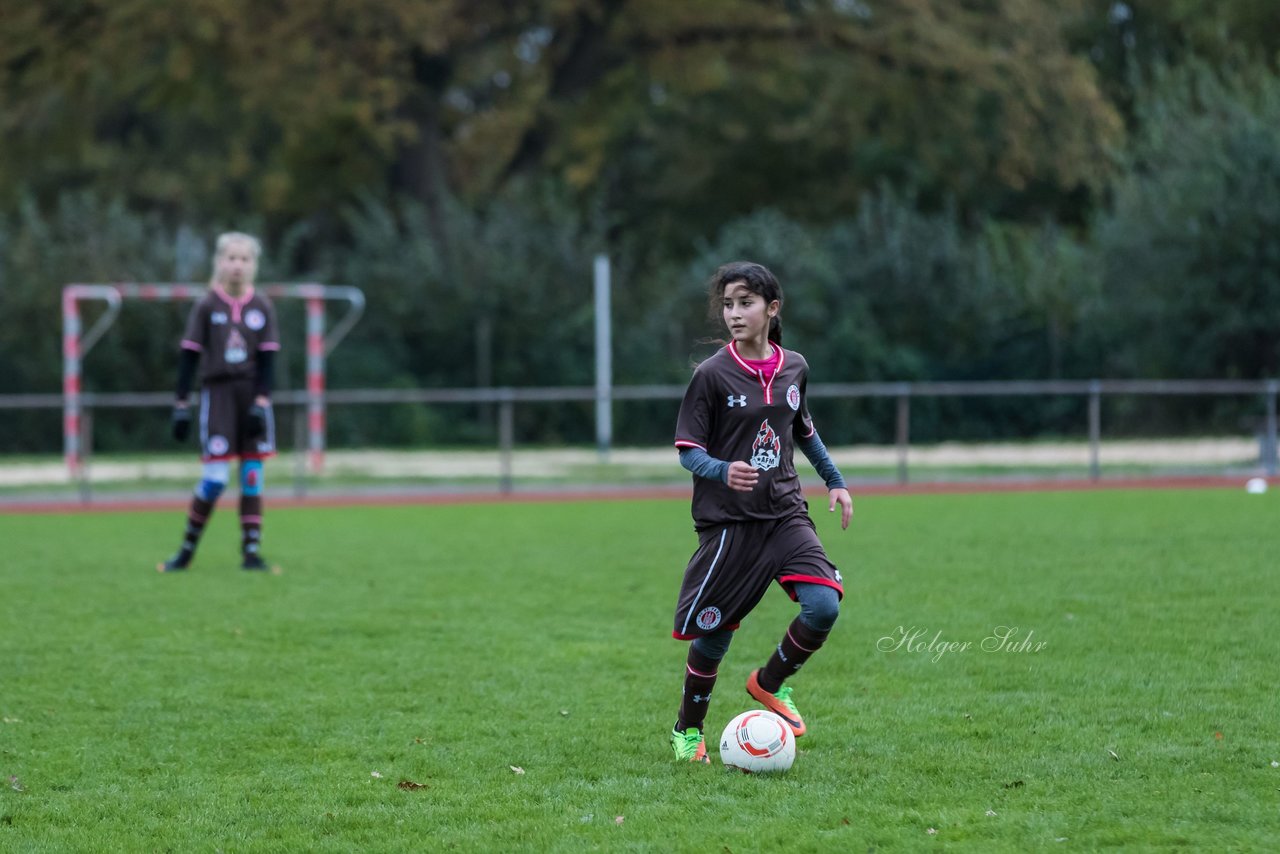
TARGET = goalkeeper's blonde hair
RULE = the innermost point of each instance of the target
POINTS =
(227, 238)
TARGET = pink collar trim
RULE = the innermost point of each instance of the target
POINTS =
(237, 303)
(765, 383)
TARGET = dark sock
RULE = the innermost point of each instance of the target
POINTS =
(197, 517)
(699, 679)
(250, 524)
(793, 650)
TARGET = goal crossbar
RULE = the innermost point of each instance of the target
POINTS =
(76, 344)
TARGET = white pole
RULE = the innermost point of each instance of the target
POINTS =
(604, 360)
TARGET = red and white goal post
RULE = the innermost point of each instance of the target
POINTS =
(76, 343)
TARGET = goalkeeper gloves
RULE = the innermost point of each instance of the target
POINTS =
(257, 421)
(181, 422)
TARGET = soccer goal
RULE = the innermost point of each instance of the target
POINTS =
(76, 344)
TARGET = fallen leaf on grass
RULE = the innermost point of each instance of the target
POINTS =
(991, 812)
(376, 774)
(12, 720)
(16, 784)
(586, 819)
(1114, 755)
(1218, 736)
(516, 769)
(1275, 764)
(845, 820)
(1016, 784)
(933, 831)
(618, 820)
(409, 785)
(564, 713)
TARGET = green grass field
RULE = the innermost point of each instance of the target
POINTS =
(380, 693)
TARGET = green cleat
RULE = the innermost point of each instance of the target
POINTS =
(689, 746)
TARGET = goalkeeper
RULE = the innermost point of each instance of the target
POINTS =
(232, 333)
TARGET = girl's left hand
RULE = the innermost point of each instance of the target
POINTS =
(841, 495)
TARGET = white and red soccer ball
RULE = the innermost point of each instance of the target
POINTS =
(757, 741)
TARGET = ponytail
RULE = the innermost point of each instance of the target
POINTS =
(775, 330)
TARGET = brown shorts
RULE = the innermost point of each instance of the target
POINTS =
(224, 423)
(731, 570)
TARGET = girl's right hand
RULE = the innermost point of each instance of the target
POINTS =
(742, 476)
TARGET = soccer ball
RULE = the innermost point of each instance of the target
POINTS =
(757, 741)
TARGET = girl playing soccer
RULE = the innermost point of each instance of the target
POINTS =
(742, 416)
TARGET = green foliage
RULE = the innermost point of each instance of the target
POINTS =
(895, 294)
(681, 112)
(84, 238)
(1045, 296)
(504, 301)
(1189, 250)
(734, 107)
(224, 710)
(946, 190)
(209, 109)
(1126, 40)
(520, 266)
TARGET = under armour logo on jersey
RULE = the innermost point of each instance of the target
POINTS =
(737, 400)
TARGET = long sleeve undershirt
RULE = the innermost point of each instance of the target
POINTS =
(702, 464)
(187, 361)
(265, 375)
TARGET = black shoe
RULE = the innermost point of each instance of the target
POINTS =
(177, 563)
(254, 562)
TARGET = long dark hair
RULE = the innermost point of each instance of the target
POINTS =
(758, 280)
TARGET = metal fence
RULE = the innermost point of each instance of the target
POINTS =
(506, 400)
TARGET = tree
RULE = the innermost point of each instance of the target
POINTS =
(677, 112)
(1127, 39)
(1191, 264)
(709, 111)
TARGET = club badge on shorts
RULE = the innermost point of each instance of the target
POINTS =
(708, 618)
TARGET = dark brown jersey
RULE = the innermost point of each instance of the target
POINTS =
(228, 332)
(733, 413)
